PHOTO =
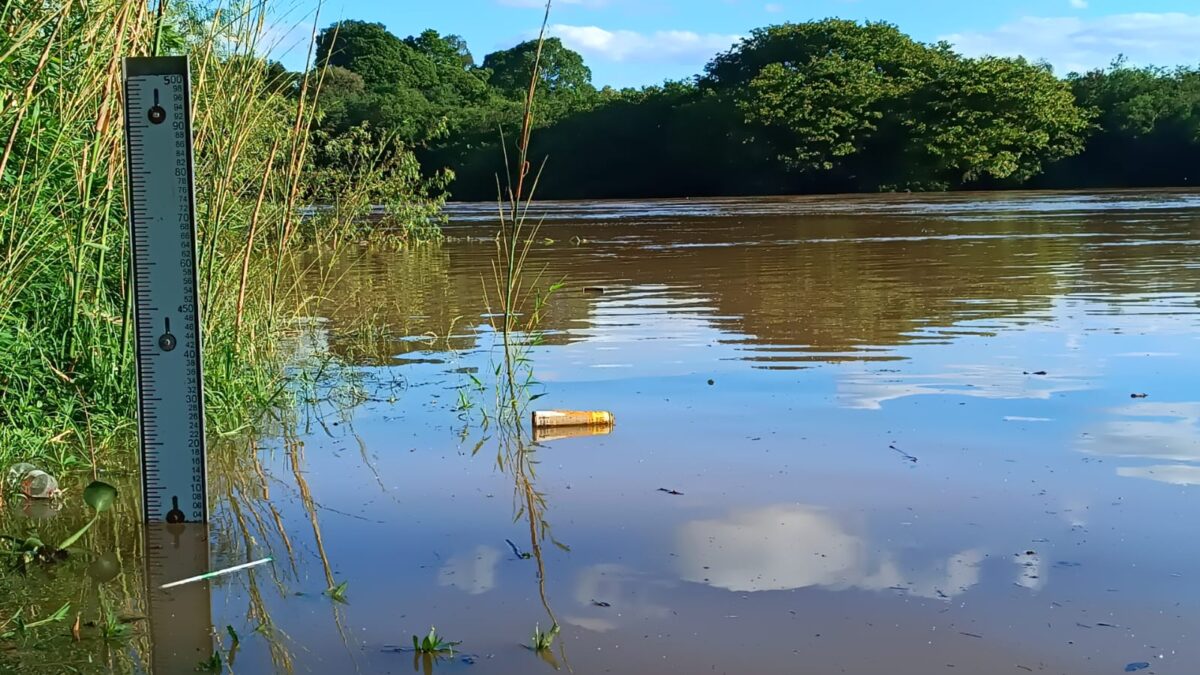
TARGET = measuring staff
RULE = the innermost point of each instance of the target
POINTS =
(162, 229)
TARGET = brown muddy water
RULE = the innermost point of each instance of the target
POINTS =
(903, 430)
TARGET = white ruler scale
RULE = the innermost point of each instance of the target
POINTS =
(166, 303)
(162, 228)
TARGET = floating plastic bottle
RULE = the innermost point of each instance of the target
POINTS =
(15, 473)
(31, 481)
(572, 418)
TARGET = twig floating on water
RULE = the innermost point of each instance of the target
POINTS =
(670, 492)
(516, 551)
(218, 573)
(903, 454)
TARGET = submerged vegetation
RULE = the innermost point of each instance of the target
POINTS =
(30, 548)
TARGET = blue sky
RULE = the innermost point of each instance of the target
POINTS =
(637, 42)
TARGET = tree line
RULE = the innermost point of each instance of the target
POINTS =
(822, 106)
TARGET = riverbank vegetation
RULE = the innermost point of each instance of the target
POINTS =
(262, 154)
(824, 106)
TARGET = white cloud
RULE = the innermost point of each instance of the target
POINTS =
(1080, 44)
(773, 7)
(1078, 4)
(679, 46)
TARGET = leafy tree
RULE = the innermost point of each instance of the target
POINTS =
(1147, 128)
(562, 70)
(418, 88)
(342, 98)
(819, 92)
(872, 108)
(565, 87)
(992, 118)
(445, 50)
(823, 106)
(367, 49)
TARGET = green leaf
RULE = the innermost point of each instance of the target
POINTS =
(99, 495)
(105, 567)
(338, 592)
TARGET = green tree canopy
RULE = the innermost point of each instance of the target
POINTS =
(562, 70)
(871, 104)
(417, 88)
(993, 118)
(367, 49)
(821, 106)
(1147, 128)
(448, 50)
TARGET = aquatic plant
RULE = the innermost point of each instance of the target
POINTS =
(337, 592)
(98, 495)
(21, 626)
(29, 549)
(112, 628)
(543, 640)
(213, 664)
(433, 644)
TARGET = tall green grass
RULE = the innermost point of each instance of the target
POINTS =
(66, 356)
(519, 295)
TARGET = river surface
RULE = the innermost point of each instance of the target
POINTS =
(903, 435)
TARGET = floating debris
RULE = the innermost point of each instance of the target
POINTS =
(572, 418)
(518, 552)
(32, 481)
(217, 573)
(1136, 666)
(670, 492)
(903, 454)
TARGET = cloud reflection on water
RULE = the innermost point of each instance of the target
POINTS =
(1174, 474)
(870, 390)
(1152, 430)
(791, 546)
(473, 572)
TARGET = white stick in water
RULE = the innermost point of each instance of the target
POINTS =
(210, 575)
